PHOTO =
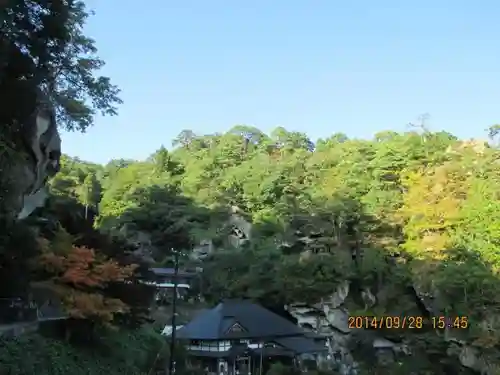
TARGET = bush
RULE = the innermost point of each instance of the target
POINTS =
(121, 353)
(280, 369)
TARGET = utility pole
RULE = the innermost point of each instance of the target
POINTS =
(171, 360)
(261, 364)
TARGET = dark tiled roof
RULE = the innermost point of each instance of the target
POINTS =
(171, 272)
(47, 312)
(256, 321)
(316, 335)
(300, 345)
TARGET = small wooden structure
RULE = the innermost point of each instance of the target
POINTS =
(240, 337)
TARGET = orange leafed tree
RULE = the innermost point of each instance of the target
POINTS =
(79, 277)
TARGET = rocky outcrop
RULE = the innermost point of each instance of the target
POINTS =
(141, 241)
(329, 318)
(239, 232)
(241, 229)
(29, 155)
(468, 355)
(204, 249)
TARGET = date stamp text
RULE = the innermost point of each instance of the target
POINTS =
(407, 322)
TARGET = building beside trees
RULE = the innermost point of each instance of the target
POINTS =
(240, 337)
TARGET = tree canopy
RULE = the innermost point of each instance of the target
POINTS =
(403, 215)
(43, 46)
(410, 219)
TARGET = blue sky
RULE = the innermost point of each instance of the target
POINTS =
(317, 66)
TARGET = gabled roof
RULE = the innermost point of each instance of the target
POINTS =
(238, 319)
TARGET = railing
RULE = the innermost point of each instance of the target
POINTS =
(16, 310)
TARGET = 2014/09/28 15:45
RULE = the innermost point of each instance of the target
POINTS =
(407, 322)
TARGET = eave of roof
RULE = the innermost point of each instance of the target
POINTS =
(301, 345)
(258, 323)
(158, 271)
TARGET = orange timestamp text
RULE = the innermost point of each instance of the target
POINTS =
(382, 322)
(406, 322)
(444, 322)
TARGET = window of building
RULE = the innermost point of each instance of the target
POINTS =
(224, 345)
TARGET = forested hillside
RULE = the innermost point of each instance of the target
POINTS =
(409, 219)
(402, 225)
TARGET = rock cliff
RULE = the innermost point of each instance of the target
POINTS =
(29, 154)
(330, 319)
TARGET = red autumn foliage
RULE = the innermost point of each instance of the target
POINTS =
(79, 278)
(81, 268)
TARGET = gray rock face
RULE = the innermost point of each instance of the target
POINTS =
(26, 170)
(330, 319)
(141, 241)
(330, 316)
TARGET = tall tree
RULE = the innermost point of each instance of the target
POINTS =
(184, 138)
(43, 46)
(89, 192)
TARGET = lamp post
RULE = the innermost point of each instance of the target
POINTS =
(171, 361)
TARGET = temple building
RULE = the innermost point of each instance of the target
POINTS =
(240, 337)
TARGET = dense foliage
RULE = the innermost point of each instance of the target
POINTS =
(76, 275)
(410, 217)
(45, 58)
(42, 46)
(125, 353)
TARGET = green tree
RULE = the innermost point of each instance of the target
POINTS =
(89, 192)
(409, 218)
(493, 131)
(164, 164)
(43, 46)
(184, 139)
